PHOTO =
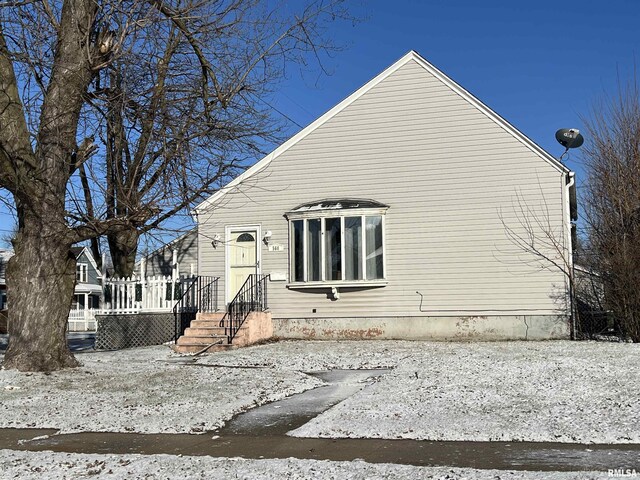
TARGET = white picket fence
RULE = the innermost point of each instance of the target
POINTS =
(83, 320)
(155, 294)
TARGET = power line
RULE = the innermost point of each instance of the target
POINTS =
(276, 109)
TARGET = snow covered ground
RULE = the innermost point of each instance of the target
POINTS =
(140, 390)
(554, 391)
(32, 465)
(584, 392)
(541, 391)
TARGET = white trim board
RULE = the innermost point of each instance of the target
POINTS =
(411, 56)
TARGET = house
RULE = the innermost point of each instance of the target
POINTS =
(88, 280)
(590, 303)
(394, 215)
(87, 293)
(5, 255)
(182, 251)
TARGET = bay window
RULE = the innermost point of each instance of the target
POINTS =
(337, 242)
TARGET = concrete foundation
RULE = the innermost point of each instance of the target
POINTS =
(485, 328)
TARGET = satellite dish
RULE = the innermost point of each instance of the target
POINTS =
(569, 138)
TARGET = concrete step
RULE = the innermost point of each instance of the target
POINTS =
(205, 334)
(201, 339)
(194, 348)
(209, 315)
(204, 323)
(200, 331)
(211, 331)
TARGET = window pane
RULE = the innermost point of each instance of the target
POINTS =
(81, 272)
(313, 250)
(298, 254)
(332, 249)
(352, 248)
(374, 248)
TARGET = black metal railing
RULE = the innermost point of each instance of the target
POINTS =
(252, 297)
(199, 294)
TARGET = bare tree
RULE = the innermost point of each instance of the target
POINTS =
(116, 115)
(543, 244)
(612, 203)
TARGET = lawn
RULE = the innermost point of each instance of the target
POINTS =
(561, 391)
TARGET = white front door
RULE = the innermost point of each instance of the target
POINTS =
(243, 258)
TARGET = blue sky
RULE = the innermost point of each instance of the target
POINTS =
(540, 64)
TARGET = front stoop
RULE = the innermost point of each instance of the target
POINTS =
(204, 333)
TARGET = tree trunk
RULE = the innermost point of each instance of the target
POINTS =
(123, 247)
(41, 279)
(36, 169)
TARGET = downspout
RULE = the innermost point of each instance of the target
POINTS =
(570, 182)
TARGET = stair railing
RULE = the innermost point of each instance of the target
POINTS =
(200, 296)
(252, 297)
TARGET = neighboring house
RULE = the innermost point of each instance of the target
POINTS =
(5, 255)
(88, 280)
(160, 262)
(593, 317)
(393, 216)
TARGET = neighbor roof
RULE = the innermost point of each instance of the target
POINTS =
(411, 56)
(77, 251)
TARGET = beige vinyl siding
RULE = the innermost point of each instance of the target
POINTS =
(448, 173)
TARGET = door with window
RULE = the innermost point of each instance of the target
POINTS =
(243, 259)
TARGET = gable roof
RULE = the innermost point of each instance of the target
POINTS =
(411, 56)
(77, 251)
(168, 244)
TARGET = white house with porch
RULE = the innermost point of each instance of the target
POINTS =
(87, 293)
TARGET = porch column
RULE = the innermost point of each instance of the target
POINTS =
(86, 312)
(143, 282)
(176, 267)
(174, 274)
(103, 281)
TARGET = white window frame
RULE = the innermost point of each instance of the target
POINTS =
(342, 214)
(82, 272)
